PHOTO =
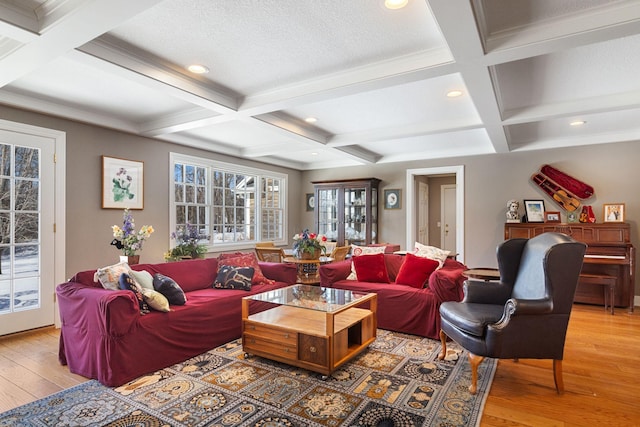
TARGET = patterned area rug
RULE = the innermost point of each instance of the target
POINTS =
(397, 381)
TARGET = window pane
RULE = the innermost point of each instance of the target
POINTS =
(178, 175)
(190, 194)
(181, 217)
(202, 195)
(217, 197)
(5, 193)
(218, 179)
(179, 193)
(201, 176)
(5, 159)
(190, 174)
(26, 164)
(26, 195)
(26, 227)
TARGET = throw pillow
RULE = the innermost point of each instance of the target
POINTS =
(142, 278)
(363, 250)
(169, 288)
(371, 268)
(155, 300)
(247, 260)
(127, 283)
(415, 271)
(431, 252)
(109, 276)
(230, 277)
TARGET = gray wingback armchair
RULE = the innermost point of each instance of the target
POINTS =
(524, 315)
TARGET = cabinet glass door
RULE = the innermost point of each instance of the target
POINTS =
(355, 215)
(327, 206)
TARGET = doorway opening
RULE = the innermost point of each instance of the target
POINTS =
(417, 186)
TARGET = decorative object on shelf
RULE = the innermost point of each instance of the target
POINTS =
(572, 217)
(122, 183)
(512, 211)
(534, 210)
(563, 189)
(308, 245)
(392, 199)
(613, 212)
(311, 202)
(127, 239)
(551, 216)
(587, 215)
(190, 243)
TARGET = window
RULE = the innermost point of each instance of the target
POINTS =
(234, 205)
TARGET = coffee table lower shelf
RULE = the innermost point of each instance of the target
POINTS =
(309, 339)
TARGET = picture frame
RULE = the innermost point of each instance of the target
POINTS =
(572, 217)
(613, 212)
(392, 199)
(122, 183)
(534, 210)
(310, 202)
(552, 216)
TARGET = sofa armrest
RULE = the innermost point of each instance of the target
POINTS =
(280, 272)
(95, 310)
(333, 272)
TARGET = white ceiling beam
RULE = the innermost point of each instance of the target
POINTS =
(467, 50)
(83, 23)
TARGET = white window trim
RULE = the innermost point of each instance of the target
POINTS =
(211, 164)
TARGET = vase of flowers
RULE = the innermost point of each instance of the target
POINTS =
(308, 245)
(128, 240)
(190, 243)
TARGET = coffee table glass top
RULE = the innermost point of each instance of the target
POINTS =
(317, 298)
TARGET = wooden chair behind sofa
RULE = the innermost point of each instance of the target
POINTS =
(340, 253)
(270, 254)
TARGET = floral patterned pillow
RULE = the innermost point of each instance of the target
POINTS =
(109, 276)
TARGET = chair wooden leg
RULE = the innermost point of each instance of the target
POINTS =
(557, 376)
(443, 350)
(474, 361)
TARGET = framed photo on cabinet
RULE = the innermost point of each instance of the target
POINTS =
(534, 210)
(551, 216)
(613, 212)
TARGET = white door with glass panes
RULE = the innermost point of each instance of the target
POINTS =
(27, 217)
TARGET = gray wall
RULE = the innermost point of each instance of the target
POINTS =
(88, 226)
(490, 180)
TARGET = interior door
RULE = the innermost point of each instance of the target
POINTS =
(27, 213)
(448, 206)
(423, 213)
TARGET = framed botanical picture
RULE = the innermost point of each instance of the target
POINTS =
(613, 212)
(551, 216)
(122, 183)
(310, 201)
(392, 199)
(534, 210)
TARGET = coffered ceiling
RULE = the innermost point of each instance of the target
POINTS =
(375, 79)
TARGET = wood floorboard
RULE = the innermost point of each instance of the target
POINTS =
(601, 367)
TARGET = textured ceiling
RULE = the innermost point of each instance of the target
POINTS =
(375, 79)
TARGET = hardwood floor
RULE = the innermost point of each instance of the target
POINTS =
(601, 370)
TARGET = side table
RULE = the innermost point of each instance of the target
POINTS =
(486, 274)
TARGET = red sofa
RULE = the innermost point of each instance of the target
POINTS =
(104, 336)
(403, 308)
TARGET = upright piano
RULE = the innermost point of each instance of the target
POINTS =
(609, 252)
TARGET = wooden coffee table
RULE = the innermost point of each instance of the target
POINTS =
(310, 327)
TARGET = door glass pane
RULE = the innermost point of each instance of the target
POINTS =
(26, 293)
(26, 228)
(26, 195)
(27, 165)
(5, 296)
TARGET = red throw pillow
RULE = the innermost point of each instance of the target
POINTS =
(415, 271)
(371, 268)
(247, 260)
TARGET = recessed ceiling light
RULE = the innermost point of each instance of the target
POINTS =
(577, 123)
(198, 69)
(395, 4)
(314, 153)
(454, 93)
(310, 120)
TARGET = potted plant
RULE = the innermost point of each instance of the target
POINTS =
(190, 243)
(308, 245)
(128, 240)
